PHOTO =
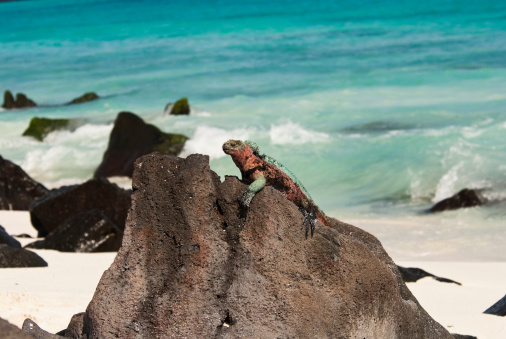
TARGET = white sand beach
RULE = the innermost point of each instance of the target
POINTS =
(51, 295)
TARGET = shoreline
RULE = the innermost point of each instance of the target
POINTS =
(50, 296)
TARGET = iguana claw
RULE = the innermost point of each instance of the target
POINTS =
(246, 198)
(309, 221)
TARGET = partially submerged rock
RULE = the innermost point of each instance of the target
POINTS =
(39, 128)
(51, 210)
(193, 265)
(21, 101)
(86, 232)
(19, 257)
(180, 107)
(131, 138)
(465, 198)
(413, 274)
(17, 189)
(86, 97)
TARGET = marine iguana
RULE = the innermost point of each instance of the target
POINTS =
(259, 170)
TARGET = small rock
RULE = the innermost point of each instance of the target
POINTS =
(463, 336)
(10, 331)
(49, 211)
(413, 274)
(30, 327)
(85, 232)
(8, 239)
(17, 189)
(19, 257)
(180, 107)
(499, 308)
(90, 96)
(465, 198)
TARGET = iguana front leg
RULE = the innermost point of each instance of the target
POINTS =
(253, 188)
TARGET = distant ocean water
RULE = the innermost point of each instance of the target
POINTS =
(381, 108)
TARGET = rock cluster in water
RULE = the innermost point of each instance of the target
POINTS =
(21, 101)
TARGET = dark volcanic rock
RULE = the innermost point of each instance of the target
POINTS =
(75, 327)
(193, 266)
(463, 336)
(9, 331)
(90, 96)
(39, 128)
(49, 211)
(7, 239)
(19, 257)
(30, 327)
(413, 274)
(130, 138)
(180, 107)
(499, 308)
(21, 101)
(88, 232)
(465, 198)
(17, 189)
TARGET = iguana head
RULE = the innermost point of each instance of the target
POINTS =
(234, 147)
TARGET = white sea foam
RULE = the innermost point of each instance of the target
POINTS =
(209, 140)
(293, 133)
(446, 186)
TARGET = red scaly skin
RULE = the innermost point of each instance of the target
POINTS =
(252, 168)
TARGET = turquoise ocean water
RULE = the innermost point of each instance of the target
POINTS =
(381, 108)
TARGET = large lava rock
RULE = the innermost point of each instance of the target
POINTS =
(130, 138)
(19, 257)
(51, 210)
(465, 198)
(86, 232)
(17, 189)
(193, 265)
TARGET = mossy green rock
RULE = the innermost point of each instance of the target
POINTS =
(180, 107)
(90, 96)
(39, 128)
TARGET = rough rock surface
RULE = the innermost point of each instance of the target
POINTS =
(17, 189)
(90, 96)
(7, 239)
(30, 327)
(131, 138)
(85, 232)
(19, 257)
(21, 101)
(465, 198)
(193, 265)
(499, 308)
(413, 274)
(10, 331)
(49, 211)
(180, 107)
